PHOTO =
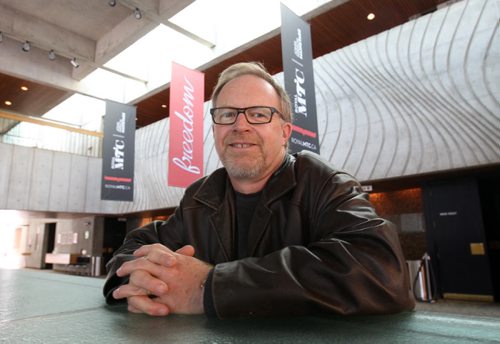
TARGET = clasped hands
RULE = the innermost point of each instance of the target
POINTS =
(163, 282)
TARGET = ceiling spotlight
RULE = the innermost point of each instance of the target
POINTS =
(52, 55)
(370, 16)
(7, 102)
(74, 63)
(137, 13)
(112, 3)
(24, 88)
(26, 46)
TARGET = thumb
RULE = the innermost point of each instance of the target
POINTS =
(187, 250)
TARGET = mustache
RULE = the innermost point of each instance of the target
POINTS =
(232, 138)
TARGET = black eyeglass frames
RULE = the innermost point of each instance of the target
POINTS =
(253, 114)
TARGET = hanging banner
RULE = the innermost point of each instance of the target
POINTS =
(185, 161)
(118, 152)
(299, 80)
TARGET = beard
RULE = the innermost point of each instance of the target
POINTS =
(237, 168)
(244, 166)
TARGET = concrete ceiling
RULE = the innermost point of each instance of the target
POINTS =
(94, 32)
(91, 31)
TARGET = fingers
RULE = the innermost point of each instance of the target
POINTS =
(167, 257)
(157, 253)
(151, 264)
(144, 280)
(141, 283)
(128, 290)
(133, 309)
(147, 249)
(172, 277)
(143, 304)
(162, 255)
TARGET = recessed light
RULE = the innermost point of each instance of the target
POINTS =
(74, 63)
(24, 88)
(8, 103)
(52, 55)
(370, 16)
(163, 106)
(137, 13)
(26, 46)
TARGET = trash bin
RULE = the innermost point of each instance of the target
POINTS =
(95, 266)
(420, 278)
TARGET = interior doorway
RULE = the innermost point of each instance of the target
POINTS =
(456, 239)
(114, 234)
(49, 242)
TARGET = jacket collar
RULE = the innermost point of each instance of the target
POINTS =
(217, 193)
(213, 189)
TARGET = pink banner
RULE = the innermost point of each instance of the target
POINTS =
(185, 161)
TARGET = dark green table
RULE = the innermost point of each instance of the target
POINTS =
(47, 307)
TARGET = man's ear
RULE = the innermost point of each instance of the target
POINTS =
(286, 131)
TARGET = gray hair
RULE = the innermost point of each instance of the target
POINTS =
(257, 69)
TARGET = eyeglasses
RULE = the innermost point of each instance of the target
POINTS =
(253, 114)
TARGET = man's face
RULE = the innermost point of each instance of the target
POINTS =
(250, 151)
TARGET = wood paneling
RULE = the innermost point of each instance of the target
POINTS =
(36, 101)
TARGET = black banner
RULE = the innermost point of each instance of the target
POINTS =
(299, 80)
(118, 152)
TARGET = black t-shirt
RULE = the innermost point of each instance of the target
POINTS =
(245, 208)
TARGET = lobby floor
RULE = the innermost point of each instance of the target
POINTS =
(40, 306)
(487, 309)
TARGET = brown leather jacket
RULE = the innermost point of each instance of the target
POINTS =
(315, 244)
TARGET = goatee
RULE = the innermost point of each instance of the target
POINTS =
(249, 169)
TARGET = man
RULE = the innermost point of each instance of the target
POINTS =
(270, 233)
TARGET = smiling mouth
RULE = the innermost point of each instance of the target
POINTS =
(241, 145)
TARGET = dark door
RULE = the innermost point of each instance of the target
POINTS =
(114, 234)
(49, 241)
(456, 239)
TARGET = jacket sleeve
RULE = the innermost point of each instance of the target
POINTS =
(154, 232)
(353, 264)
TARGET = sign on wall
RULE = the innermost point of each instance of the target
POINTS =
(185, 161)
(299, 80)
(118, 152)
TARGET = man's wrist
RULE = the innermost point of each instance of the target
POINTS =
(208, 301)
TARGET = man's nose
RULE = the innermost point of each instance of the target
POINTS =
(241, 121)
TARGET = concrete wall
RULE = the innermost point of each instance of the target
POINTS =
(418, 98)
(421, 97)
(42, 180)
(79, 235)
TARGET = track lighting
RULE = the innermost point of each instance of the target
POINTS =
(112, 3)
(26, 46)
(74, 63)
(137, 13)
(52, 55)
